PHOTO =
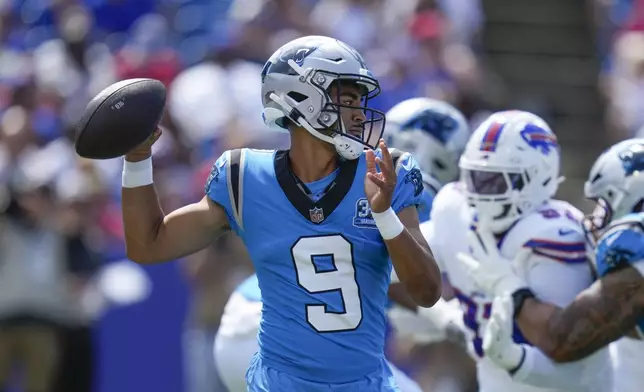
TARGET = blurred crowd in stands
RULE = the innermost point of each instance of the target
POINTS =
(621, 44)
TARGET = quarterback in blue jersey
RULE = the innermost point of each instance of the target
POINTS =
(320, 222)
(611, 308)
(427, 128)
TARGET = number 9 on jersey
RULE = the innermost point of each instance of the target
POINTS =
(340, 277)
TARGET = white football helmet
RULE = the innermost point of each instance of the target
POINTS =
(510, 167)
(434, 132)
(616, 183)
(296, 82)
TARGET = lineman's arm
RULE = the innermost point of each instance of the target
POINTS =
(599, 315)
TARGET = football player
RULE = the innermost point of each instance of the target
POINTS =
(611, 308)
(320, 222)
(503, 204)
(435, 133)
(427, 128)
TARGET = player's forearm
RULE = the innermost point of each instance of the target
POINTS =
(142, 218)
(599, 315)
(567, 334)
(416, 268)
(398, 294)
(534, 322)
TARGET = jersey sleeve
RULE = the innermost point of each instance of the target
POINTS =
(555, 282)
(558, 268)
(409, 188)
(563, 244)
(621, 245)
(217, 187)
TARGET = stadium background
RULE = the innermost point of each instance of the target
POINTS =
(579, 64)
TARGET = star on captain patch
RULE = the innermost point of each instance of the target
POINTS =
(316, 214)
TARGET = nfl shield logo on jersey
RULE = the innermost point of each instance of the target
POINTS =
(316, 214)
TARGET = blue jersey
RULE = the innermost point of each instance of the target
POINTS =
(321, 265)
(431, 188)
(622, 243)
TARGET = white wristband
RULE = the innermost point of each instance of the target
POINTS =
(136, 174)
(388, 223)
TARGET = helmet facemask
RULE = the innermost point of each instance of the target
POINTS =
(595, 223)
(496, 196)
(345, 94)
(611, 203)
(331, 90)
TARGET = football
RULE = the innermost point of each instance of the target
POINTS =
(120, 118)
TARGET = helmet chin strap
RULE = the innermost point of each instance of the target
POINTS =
(345, 147)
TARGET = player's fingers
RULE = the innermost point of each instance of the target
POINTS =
(470, 264)
(386, 155)
(371, 162)
(487, 238)
(380, 183)
(386, 170)
(389, 177)
(152, 139)
(474, 241)
(155, 135)
(490, 334)
(502, 309)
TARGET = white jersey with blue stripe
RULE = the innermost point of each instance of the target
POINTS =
(557, 270)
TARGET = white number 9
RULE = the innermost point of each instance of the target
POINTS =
(341, 278)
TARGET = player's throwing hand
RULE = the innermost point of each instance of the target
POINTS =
(144, 150)
(379, 185)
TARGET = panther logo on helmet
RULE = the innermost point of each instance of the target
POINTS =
(297, 81)
(633, 159)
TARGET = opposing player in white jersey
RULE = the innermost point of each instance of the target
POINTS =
(435, 133)
(611, 308)
(503, 205)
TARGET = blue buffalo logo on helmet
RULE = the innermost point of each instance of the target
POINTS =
(633, 159)
(539, 138)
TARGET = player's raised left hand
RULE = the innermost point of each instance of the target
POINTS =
(380, 182)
